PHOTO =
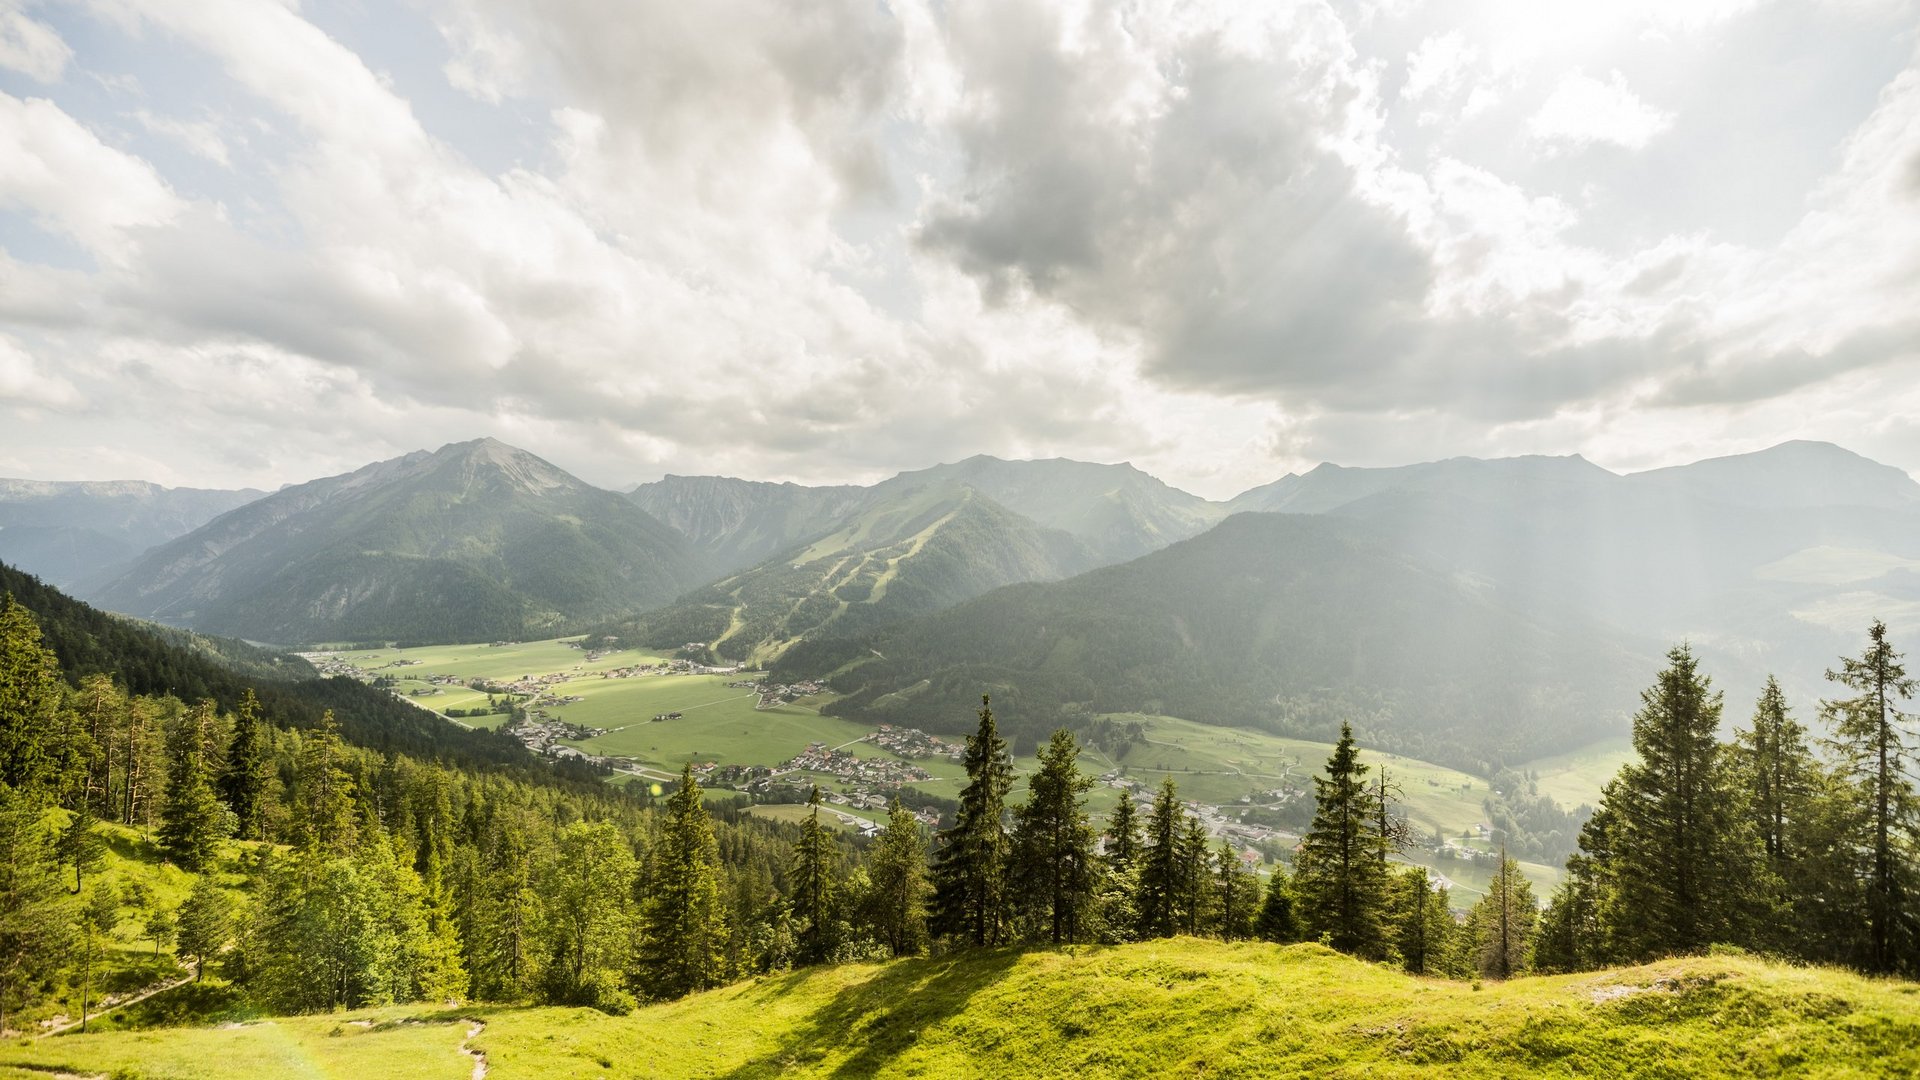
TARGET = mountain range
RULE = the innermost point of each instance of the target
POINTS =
(69, 532)
(914, 593)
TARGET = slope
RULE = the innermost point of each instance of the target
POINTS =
(474, 541)
(742, 523)
(1182, 1007)
(1288, 623)
(909, 553)
(68, 532)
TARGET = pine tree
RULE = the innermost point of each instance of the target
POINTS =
(1054, 863)
(1238, 891)
(204, 924)
(1161, 865)
(193, 821)
(81, 846)
(897, 900)
(811, 898)
(1681, 863)
(1777, 767)
(1571, 936)
(684, 929)
(1277, 921)
(1505, 921)
(1868, 734)
(249, 769)
(97, 919)
(970, 872)
(36, 914)
(1123, 834)
(102, 708)
(325, 821)
(1340, 877)
(1198, 913)
(31, 696)
(1422, 926)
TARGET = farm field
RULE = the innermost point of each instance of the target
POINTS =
(1578, 776)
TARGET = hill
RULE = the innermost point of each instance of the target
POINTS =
(1283, 622)
(475, 541)
(1182, 1007)
(68, 532)
(911, 552)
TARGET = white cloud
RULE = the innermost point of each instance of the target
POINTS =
(202, 137)
(70, 181)
(1583, 111)
(30, 46)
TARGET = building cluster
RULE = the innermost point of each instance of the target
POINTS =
(775, 694)
(914, 744)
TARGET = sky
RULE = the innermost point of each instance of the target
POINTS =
(252, 242)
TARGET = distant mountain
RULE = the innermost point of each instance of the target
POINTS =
(1117, 511)
(474, 541)
(67, 532)
(1288, 623)
(906, 552)
(1792, 475)
(1328, 487)
(742, 523)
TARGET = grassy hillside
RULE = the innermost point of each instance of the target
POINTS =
(1174, 1008)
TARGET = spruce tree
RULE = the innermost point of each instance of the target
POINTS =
(1237, 892)
(203, 925)
(1054, 863)
(249, 769)
(897, 900)
(324, 820)
(1870, 737)
(1123, 834)
(1680, 862)
(811, 898)
(97, 919)
(1277, 921)
(683, 937)
(81, 846)
(192, 822)
(1161, 865)
(31, 696)
(36, 914)
(970, 874)
(1505, 922)
(1340, 877)
(1422, 926)
(1198, 912)
(1778, 769)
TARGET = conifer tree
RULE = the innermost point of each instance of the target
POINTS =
(970, 873)
(1197, 909)
(325, 820)
(1161, 865)
(203, 925)
(31, 696)
(192, 822)
(1505, 920)
(1123, 835)
(1340, 879)
(897, 901)
(1237, 889)
(1778, 770)
(1423, 928)
(1571, 936)
(684, 928)
(81, 846)
(811, 899)
(249, 769)
(1869, 735)
(97, 919)
(36, 914)
(1054, 863)
(1680, 859)
(1277, 921)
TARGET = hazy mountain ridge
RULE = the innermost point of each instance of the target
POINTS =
(472, 541)
(742, 523)
(69, 531)
(1290, 623)
(904, 554)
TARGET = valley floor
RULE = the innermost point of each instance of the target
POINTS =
(1173, 1008)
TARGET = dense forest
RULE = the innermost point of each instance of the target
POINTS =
(325, 873)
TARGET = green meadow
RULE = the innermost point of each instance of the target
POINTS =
(1182, 1007)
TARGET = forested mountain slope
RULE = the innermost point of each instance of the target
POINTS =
(910, 553)
(1290, 623)
(471, 542)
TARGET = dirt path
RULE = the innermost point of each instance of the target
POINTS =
(139, 997)
(474, 1028)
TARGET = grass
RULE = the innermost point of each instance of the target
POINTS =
(1183, 1007)
(1578, 776)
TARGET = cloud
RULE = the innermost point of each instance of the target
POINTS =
(31, 47)
(1583, 111)
(67, 179)
(201, 137)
